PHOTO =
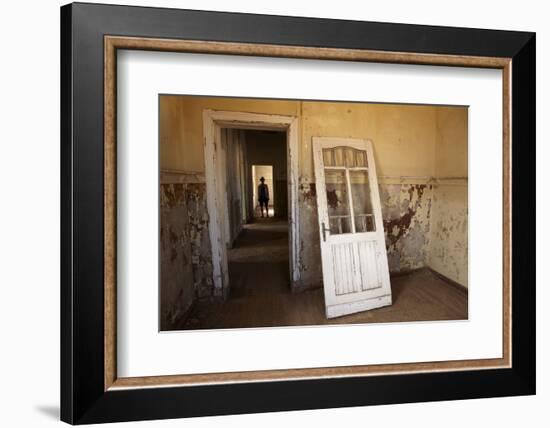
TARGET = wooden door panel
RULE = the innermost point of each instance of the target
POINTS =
(354, 259)
(355, 267)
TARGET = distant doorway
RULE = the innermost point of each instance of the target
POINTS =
(264, 172)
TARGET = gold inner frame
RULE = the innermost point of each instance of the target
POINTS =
(112, 43)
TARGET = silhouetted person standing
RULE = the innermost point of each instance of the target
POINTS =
(263, 197)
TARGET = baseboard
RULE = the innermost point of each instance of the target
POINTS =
(449, 281)
(404, 272)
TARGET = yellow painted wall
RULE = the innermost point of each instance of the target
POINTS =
(448, 244)
(173, 154)
(186, 152)
(451, 157)
(404, 136)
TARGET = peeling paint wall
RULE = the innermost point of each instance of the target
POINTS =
(406, 148)
(309, 257)
(448, 249)
(406, 210)
(175, 255)
(185, 254)
(199, 239)
(448, 252)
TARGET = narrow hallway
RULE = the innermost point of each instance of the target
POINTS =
(258, 264)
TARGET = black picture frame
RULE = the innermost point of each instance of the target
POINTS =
(83, 398)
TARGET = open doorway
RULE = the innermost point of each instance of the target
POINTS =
(234, 141)
(258, 258)
(254, 166)
(263, 192)
(267, 157)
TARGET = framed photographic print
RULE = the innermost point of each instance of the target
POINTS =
(265, 213)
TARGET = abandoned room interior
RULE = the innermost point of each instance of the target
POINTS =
(366, 219)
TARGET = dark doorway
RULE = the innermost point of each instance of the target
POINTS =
(268, 149)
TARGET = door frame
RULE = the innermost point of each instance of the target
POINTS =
(213, 122)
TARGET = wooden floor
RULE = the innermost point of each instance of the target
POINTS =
(260, 293)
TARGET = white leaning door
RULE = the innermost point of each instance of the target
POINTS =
(353, 250)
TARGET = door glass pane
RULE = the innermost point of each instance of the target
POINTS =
(338, 156)
(361, 158)
(345, 156)
(328, 157)
(337, 201)
(362, 206)
(350, 157)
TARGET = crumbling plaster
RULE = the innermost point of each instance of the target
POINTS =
(185, 253)
(448, 246)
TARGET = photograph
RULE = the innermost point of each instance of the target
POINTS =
(289, 212)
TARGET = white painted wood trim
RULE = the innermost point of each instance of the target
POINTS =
(293, 175)
(214, 226)
(334, 311)
(375, 198)
(223, 190)
(350, 202)
(213, 121)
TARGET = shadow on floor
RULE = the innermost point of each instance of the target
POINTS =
(50, 411)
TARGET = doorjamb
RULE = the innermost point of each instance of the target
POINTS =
(213, 122)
